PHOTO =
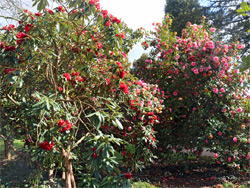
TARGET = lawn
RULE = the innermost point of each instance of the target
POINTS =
(17, 143)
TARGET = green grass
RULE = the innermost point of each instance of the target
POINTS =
(17, 143)
(143, 185)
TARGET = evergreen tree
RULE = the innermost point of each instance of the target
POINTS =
(231, 25)
(183, 11)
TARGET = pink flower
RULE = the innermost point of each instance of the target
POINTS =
(236, 71)
(235, 139)
(216, 59)
(239, 109)
(219, 133)
(175, 93)
(216, 155)
(212, 29)
(193, 64)
(195, 70)
(215, 90)
(222, 90)
(229, 159)
(248, 157)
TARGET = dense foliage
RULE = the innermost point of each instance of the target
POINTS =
(205, 95)
(83, 114)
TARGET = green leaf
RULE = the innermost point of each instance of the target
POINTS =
(245, 6)
(240, 10)
(58, 28)
(47, 103)
(118, 123)
(92, 114)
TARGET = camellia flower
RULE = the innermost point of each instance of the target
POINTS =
(216, 155)
(212, 29)
(104, 13)
(124, 87)
(222, 90)
(27, 27)
(128, 175)
(239, 109)
(122, 74)
(65, 125)
(235, 139)
(108, 23)
(21, 35)
(46, 145)
(175, 93)
(215, 90)
(61, 9)
(219, 133)
(67, 76)
(248, 157)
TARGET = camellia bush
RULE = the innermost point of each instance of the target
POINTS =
(84, 117)
(206, 97)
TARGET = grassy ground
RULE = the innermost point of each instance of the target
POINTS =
(17, 143)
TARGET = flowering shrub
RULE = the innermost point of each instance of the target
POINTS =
(205, 95)
(67, 71)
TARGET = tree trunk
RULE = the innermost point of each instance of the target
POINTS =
(63, 175)
(7, 150)
(51, 180)
(69, 175)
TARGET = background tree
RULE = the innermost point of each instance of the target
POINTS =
(183, 11)
(13, 7)
(225, 18)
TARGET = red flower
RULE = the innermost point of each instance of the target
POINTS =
(104, 13)
(108, 81)
(94, 155)
(27, 28)
(67, 76)
(122, 36)
(128, 175)
(38, 14)
(124, 87)
(61, 9)
(9, 27)
(122, 74)
(21, 35)
(108, 23)
(116, 20)
(46, 146)
(60, 122)
(49, 11)
(65, 125)
(7, 71)
(93, 2)
(9, 48)
(75, 73)
(150, 113)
